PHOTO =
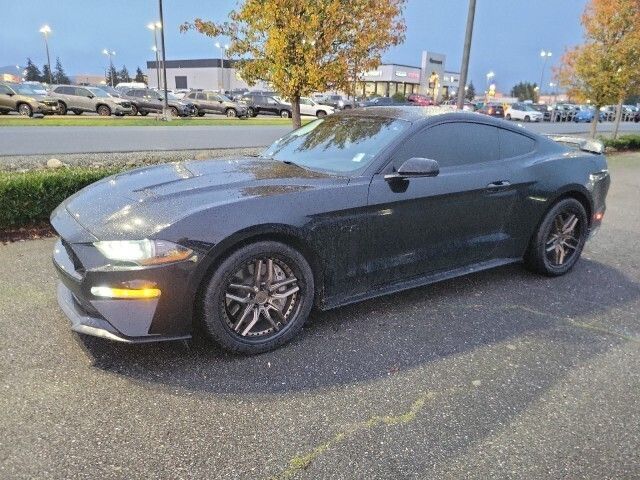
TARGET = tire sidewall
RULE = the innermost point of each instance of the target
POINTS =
(213, 316)
(537, 255)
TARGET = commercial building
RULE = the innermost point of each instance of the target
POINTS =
(11, 73)
(205, 73)
(430, 78)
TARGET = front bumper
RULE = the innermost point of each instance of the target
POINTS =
(122, 110)
(45, 108)
(123, 320)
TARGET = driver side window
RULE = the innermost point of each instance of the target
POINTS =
(452, 144)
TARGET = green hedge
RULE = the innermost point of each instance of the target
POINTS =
(623, 142)
(28, 198)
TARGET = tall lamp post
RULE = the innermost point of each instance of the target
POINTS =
(464, 71)
(545, 55)
(110, 54)
(46, 30)
(164, 62)
(222, 48)
(155, 26)
(489, 76)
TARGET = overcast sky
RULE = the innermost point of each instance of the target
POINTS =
(508, 35)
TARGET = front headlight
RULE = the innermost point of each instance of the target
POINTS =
(143, 252)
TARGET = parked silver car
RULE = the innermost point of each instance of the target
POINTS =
(89, 99)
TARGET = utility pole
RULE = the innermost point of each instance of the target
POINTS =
(164, 61)
(464, 70)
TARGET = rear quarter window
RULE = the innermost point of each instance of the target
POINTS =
(513, 144)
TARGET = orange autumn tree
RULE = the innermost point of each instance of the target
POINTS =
(302, 46)
(604, 70)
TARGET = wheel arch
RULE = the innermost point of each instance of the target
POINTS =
(103, 105)
(579, 193)
(272, 232)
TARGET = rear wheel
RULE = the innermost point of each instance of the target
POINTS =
(62, 108)
(321, 113)
(559, 240)
(508, 117)
(285, 114)
(231, 113)
(144, 113)
(78, 112)
(201, 113)
(527, 118)
(134, 110)
(258, 298)
(251, 112)
(25, 110)
(173, 111)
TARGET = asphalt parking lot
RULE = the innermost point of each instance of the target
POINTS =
(502, 374)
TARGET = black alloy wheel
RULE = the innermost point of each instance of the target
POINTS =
(258, 298)
(558, 243)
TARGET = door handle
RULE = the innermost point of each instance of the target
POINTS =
(498, 185)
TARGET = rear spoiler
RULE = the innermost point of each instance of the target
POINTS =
(584, 144)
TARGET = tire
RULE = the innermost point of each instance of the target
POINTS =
(285, 114)
(62, 108)
(78, 112)
(104, 111)
(231, 113)
(4, 112)
(321, 114)
(347, 107)
(223, 318)
(201, 113)
(527, 118)
(538, 259)
(25, 110)
(173, 111)
(144, 113)
(134, 110)
(508, 117)
(251, 112)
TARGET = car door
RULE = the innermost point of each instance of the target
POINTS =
(214, 102)
(307, 107)
(83, 98)
(271, 105)
(425, 225)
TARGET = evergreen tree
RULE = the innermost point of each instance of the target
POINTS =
(525, 91)
(33, 72)
(112, 74)
(139, 75)
(46, 74)
(123, 75)
(471, 92)
(59, 76)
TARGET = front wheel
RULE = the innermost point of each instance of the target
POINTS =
(285, 114)
(251, 112)
(78, 112)
(508, 117)
(559, 240)
(321, 114)
(173, 111)
(25, 110)
(104, 111)
(527, 118)
(231, 113)
(258, 298)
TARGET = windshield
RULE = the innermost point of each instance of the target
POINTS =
(337, 144)
(529, 108)
(224, 98)
(171, 96)
(98, 92)
(26, 90)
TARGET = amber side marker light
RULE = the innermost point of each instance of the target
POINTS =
(109, 292)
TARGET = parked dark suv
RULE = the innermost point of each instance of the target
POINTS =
(145, 100)
(212, 102)
(258, 103)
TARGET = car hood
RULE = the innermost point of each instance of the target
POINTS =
(141, 203)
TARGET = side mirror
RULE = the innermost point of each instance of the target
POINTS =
(416, 167)
(90, 96)
(10, 94)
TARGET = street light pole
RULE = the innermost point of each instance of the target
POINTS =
(164, 66)
(222, 48)
(464, 71)
(546, 56)
(46, 30)
(155, 26)
(110, 53)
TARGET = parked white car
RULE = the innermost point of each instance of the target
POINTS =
(310, 107)
(524, 112)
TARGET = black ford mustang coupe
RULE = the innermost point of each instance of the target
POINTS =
(348, 207)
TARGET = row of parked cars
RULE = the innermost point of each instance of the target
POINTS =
(559, 112)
